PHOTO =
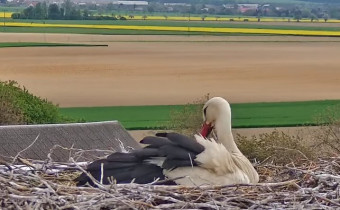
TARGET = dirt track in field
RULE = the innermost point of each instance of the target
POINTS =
(139, 70)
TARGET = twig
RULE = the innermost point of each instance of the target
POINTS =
(15, 158)
(312, 185)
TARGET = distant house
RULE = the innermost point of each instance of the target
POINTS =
(131, 3)
(228, 6)
(33, 3)
(82, 4)
(177, 4)
(247, 7)
(210, 7)
(64, 140)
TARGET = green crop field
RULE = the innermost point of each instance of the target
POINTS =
(37, 44)
(247, 115)
(101, 31)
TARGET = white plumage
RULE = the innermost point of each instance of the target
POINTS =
(221, 161)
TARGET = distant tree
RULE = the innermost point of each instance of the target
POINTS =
(318, 12)
(86, 14)
(61, 13)
(151, 8)
(313, 17)
(165, 17)
(75, 14)
(325, 17)
(28, 13)
(39, 11)
(53, 12)
(16, 15)
(306, 13)
(3, 1)
(131, 16)
(258, 18)
(259, 12)
(68, 9)
(44, 9)
(203, 17)
(297, 14)
(93, 7)
(144, 17)
(109, 7)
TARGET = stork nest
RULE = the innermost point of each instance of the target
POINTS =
(39, 185)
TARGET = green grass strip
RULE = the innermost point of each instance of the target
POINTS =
(248, 115)
(37, 44)
(111, 31)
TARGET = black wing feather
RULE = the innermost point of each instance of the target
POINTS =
(122, 157)
(155, 141)
(183, 141)
(97, 165)
(177, 150)
(147, 153)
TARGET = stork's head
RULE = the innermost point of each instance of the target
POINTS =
(215, 112)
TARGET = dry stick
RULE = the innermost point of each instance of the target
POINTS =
(327, 200)
(137, 196)
(45, 183)
(292, 150)
(101, 173)
(78, 152)
(26, 162)
(15, 158)
(2, 162)
(17, 206)
(100, 186)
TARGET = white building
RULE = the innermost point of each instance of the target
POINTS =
(132, 3)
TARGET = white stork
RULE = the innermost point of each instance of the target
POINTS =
(178, 159)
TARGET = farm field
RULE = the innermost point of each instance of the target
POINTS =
(35, 44)
(195, 17)
(213, 24)
(134, 70)
(166, 27)
(246, 115)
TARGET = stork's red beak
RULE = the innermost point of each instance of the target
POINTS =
(206, 129)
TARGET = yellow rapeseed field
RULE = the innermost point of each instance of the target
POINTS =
(6, 14)
(184, 29)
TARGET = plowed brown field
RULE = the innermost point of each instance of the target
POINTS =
(140, 70)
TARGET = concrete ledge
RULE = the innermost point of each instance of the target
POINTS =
(109, 135)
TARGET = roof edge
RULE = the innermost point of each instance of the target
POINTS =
(59, 124)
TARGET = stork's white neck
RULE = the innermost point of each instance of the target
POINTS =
(223, 130)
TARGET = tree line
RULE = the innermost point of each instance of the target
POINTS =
(70, 11)
(66, 11)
